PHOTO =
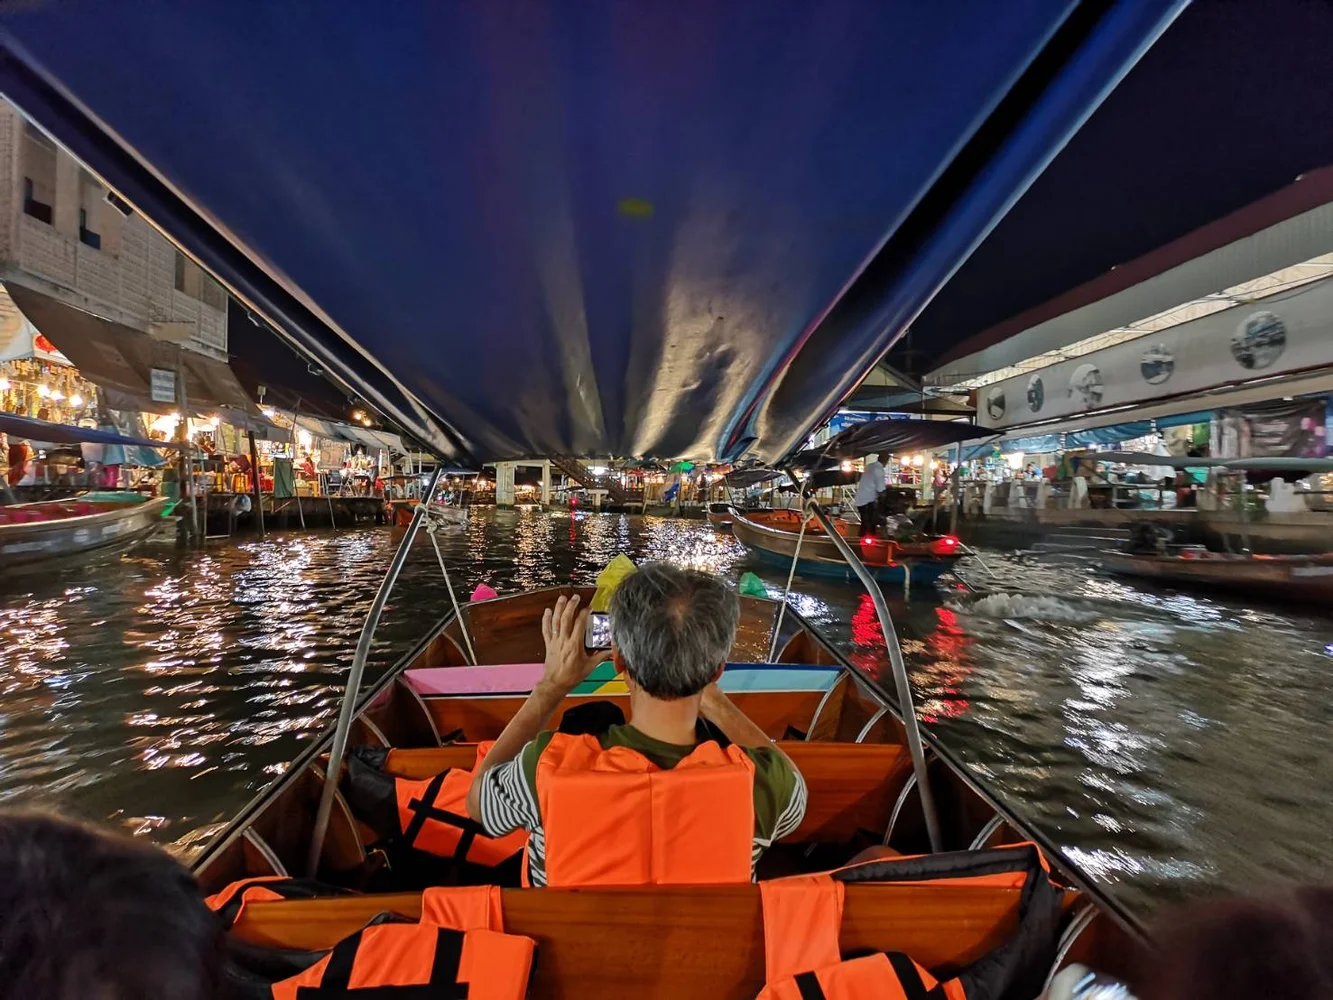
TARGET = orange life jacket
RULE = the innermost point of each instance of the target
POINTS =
(613, 817)
(457, 950)
(803, 914)
(432, 814)
(229, 901)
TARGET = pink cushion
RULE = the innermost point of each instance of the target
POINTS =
(502, 678)
(483, 593)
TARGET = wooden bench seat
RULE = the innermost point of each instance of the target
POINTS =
(484, 718)
(671, 941)
(852, 786)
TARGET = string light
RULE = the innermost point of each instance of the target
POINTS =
(4, 383)
(76, 401)
(57, 395)
(44, 391)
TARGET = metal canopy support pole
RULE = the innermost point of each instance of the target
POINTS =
(1244, 515)
(254, 478)
(782, 608)
(348, 708)
(458, 612)
(300, 507)
(186, 465)
(328, 495)
(906, 706)
(957, 490)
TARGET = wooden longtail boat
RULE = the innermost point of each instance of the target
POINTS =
(578, 324)
(1304, 578)
(775, 534)
(835, 723)
(720, 515)
(58, 534)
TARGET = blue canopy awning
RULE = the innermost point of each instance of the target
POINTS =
(49, 433)
(668, 230)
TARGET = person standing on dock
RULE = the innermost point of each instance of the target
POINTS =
(867, 495)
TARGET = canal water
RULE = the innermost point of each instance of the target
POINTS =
(1173, 744)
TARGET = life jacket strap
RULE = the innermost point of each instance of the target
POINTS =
(909, 978)
(335, 983)
(424, 809)
(909, 981)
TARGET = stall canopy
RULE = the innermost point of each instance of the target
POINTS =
(679, 230)
(1256, 470)
(1040, 444)
(890, 437)
(120, 359)
(49, 433)
(742, 478)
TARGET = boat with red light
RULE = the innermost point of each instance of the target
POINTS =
(775, 535)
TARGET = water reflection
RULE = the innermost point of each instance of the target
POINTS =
(1170, 742)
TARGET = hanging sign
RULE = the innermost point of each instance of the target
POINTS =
(162, 387)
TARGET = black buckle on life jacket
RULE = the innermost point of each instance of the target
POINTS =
(424, 808)
(335, 984)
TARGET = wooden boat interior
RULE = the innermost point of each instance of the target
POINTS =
(696, 941)
(670, 941)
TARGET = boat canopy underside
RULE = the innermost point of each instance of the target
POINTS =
(677, 230)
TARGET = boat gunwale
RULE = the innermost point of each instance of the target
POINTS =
(1103, 901)
(78, 520)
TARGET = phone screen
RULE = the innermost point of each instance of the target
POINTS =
(598, 635)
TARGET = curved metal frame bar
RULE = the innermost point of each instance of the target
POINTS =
(870, 723)
(819, 709)
(348, 708)
(458, 612)
(986, 832)
(906, 706)
(786, 591)
(1071, 934)
(898, 804)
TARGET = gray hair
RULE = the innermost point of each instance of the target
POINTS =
(674, 628)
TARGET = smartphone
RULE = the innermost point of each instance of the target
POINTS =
(598, 633)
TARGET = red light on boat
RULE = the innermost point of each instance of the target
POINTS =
(944, 546)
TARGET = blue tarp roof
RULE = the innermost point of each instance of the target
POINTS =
(48, 433)
(1040, 444)
(602, 228)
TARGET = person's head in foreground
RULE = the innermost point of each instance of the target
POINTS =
(90, 915)
(1229, 949)
(671, 630)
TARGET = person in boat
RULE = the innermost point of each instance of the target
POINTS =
(671, 630)
(85, 913)
(868, 492)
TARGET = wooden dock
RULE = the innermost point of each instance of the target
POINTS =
(231, 513)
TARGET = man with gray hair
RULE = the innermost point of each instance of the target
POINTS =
(650, 802)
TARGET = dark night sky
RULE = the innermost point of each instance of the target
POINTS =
(1234, 102)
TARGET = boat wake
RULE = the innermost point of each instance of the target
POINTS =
(1023, 606)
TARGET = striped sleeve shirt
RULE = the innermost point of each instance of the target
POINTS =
(509, 793)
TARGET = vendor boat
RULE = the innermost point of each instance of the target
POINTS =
(1307, 579)
(59, 534)
(1150, 555)
(720, 515)
(570, 298)
(775, 535)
